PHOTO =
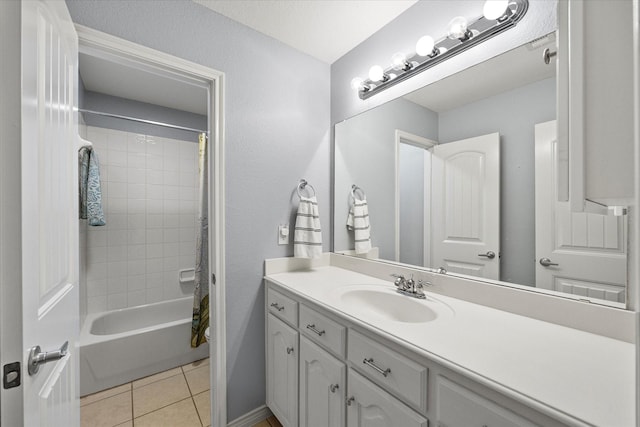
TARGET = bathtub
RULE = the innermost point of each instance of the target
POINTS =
(123, 345)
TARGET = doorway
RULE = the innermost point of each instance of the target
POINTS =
(143, 76)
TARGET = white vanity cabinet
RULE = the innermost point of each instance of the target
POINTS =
(345, 374)
(323, 383)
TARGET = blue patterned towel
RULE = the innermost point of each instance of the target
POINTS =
(90, 193)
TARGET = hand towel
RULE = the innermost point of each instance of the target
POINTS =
(90, 192)
(358, 222)
(307, 236)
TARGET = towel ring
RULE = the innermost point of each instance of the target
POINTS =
(355, 188)
(302, 185)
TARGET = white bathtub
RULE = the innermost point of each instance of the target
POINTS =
(119, 346)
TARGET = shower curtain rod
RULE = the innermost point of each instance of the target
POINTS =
(135, 119)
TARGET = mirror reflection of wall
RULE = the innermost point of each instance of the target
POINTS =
(510, 95)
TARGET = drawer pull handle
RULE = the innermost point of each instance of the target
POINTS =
(276, 306)
(312, 328)
(384, 372)
(289, 350)
(350, 400)
(334, 387)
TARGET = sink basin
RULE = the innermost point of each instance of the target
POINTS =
(382, 303)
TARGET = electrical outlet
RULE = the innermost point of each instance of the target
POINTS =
(283, 234)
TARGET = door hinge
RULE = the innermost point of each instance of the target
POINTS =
(11, 375)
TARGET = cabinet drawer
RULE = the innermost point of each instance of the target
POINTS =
(458, 406)
(323, 330)
(395, 372)
(369, 405)
(282, 306)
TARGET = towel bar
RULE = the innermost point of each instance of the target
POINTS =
(304, 184)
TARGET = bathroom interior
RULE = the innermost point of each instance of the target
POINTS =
(501, 188)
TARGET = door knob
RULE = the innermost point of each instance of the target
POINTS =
(546, 262)
(38, 357)
(489, 254)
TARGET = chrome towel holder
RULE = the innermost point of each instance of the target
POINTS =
(355, 188)
(304, 184)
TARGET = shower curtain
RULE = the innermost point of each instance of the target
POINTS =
(200, 320)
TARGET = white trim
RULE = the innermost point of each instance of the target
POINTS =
(418, 141)
(105, 45)
(633, 286)
(261, 413)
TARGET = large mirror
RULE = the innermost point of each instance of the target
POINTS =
(462, 174)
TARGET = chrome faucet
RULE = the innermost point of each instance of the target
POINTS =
(409, 286)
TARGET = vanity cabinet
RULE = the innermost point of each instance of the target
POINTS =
(458, 406)
(349, 375)
(323, 380)
(370, 406)
(282, 371)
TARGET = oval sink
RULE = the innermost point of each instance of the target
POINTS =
(383, 303)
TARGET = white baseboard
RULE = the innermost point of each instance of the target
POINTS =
(250, 418)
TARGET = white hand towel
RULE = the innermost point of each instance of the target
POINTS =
(307, 237)
(358, 222)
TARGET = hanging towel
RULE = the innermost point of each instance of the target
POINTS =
(307, 237)
(90, 192)
(358, 222)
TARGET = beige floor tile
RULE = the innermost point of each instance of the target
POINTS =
(127, 424)
(107, 412)
(273, 421)
(263, 423)
(198, 379)
(181, 414)
(157, 377)
(203, 405)
(196, 364)
(104, 394)
(161, 393)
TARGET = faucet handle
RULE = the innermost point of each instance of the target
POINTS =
(400, 280)
(423, 283)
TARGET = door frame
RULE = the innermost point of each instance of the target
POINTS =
(174, 67)
(427, 144)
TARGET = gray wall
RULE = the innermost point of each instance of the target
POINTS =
(412, 193)
(513, 114)
(277, 131)
(142, 110)
(365, 156)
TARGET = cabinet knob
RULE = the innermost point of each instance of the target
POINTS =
(334, 387)
(289, 350)
(350, 400)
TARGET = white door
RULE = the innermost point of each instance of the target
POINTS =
(466, 206)
(576, 252)
(50, 305)
(323, 381)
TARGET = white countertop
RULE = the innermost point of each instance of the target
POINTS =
(587, 376)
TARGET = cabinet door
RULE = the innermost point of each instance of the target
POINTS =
(370, 406)
(322, 387)
(458, 406)
(282, 371)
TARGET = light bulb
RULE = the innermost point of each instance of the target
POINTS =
(356, 83)
(425, 46)
(495, 9)
(376, 73)
(458, 28)
(399, 61)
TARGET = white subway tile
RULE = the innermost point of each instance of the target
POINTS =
(96, 304)
(154, 265)
(155, 192)
(136, 144)
(117, 222)
(137, 161)
(171, 235)
(154, 251)
(188, 179)
(155, 162)
(171, 149)
(171, 250)
(137, 237)
(117, 158)
(96, 288)
(155, 220)
(116, 205)
(170, 263)
(187, 206)
(171, 178)
(155, 147)
(155, 235)
(117, 173)
(171, 220)
(136, 268)
(135, 221)
(187, 164)
(187, 221)
(188, 193)
(136, 191)
(155, 206)
(187, 249)
(97, 271)
(116, 285)
(155, 177)
(171, 164)
(154, 280)
(171, 192)
(116, 253)
(185, 261)
(136, 283)
(136, 175)
(96, 254)
(117, 301)
(171, 207)
(137, 252)
(116, 269)
(136, 298)
(155, 294)
(116, 237)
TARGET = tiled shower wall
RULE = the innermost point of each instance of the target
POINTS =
(149, 187)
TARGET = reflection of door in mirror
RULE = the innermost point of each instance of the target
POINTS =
(466, 206)
(413, 199)
(576, 252)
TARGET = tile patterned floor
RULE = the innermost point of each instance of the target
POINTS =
(178, 397)
(269, 422)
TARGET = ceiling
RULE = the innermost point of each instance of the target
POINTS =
(324, 29)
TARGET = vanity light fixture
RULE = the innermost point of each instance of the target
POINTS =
(498, 16)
